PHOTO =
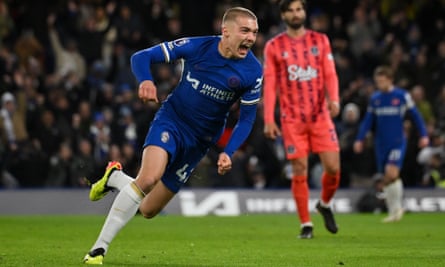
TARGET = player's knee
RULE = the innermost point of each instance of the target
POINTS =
(332, 169)
(299, 169)
(392, 172)
(146, 183)
(148, 214)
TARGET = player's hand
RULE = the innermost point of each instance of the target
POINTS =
(271, 130)
(334, 108)
(358, 147)
(224, 163)
(424, 141)
(147, 91)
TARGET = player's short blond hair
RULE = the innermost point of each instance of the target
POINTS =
(232, 13)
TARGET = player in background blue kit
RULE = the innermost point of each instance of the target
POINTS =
(217, 72)
(385, 115)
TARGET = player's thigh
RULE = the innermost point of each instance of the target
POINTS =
(295, 140)
(153, 165)
(182, 165)
(323, 137)
(391, 160)
(160, 148)
(156, 200)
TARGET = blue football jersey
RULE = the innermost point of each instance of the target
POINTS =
(210, 83)
(386, 113)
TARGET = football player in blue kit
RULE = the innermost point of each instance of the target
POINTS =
(217, 72)
(387, 110)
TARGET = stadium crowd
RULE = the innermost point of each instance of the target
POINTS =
(69, 103)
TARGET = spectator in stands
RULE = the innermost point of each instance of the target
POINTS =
(347, 129)
(48, 133)
(437, 65)
(425, 108)
(439, 109)
(60, 173)
(7, 24)
(83, 163)
(68, 60)
(129, 27)
(101, 135)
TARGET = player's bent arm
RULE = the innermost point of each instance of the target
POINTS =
(141, 62)
(242, 128)
(366, 124)
(330, 74)
(269, 83)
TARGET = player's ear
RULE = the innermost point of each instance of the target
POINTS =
(224, 31)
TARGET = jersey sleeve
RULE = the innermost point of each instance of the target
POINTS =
(366, 123)
(253, 94)
(247, 115)
(242, 128)
(330, 73)
(165, 52)
(270, 83)
(141, 62)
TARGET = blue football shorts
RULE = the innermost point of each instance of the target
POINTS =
(390, 155)
(185, 150)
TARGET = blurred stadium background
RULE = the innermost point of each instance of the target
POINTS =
(65, 67)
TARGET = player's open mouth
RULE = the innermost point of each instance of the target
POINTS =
(243, 49)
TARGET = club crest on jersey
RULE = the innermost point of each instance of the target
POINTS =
(395, 102)
(180, 42)
(233, 81)
(165, 137)
(314, 51)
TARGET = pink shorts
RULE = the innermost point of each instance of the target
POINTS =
(300, 139)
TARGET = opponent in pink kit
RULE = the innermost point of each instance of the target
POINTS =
(300, 70)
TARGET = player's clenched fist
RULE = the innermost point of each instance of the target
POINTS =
(334, 108)
(271, 130)
(224, 163)
(147, 91)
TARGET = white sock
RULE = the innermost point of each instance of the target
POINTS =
(307, 224)
(398, 194)
(394, 194)
(123, 209)
(324, 205)
(118, 179)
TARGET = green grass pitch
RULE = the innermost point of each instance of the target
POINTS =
(248, 240)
